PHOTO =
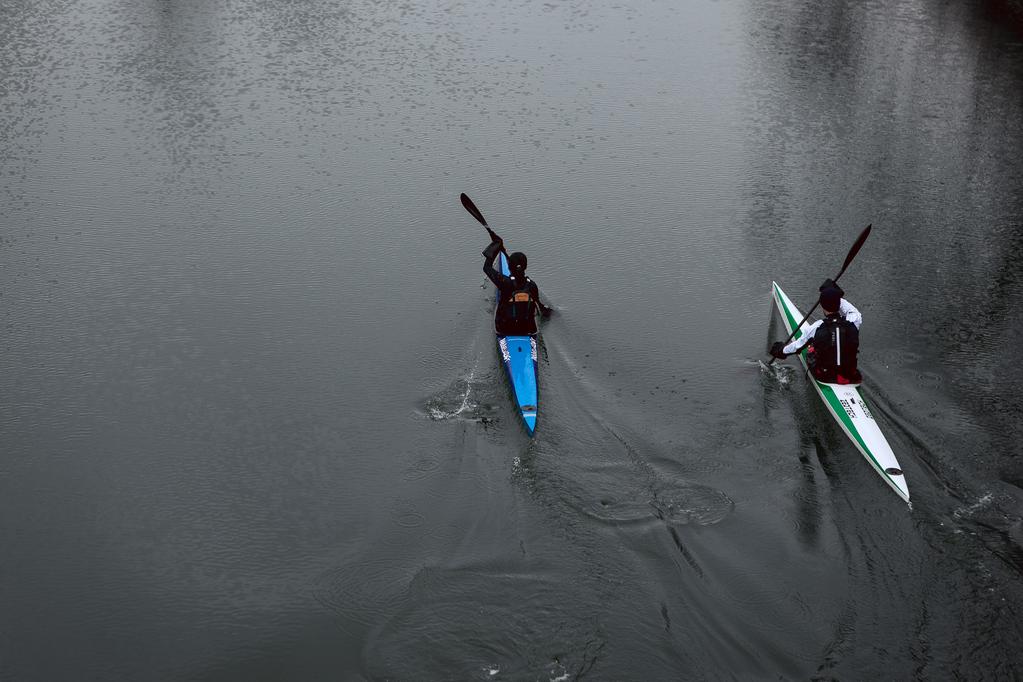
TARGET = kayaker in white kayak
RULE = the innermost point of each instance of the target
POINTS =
(519, 298)
(832, 343)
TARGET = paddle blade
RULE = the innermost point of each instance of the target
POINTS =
(854, 250)
(471, 208)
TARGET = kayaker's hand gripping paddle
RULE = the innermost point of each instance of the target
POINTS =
(848, 259)
(478, 215)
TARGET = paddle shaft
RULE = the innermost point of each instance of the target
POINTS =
(848, 259)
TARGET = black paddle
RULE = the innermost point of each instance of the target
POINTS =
(478, 215)
(848, 259)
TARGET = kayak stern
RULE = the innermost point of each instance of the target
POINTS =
(519, 356)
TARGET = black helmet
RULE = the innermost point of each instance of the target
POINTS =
(517, 261)
(831, 298)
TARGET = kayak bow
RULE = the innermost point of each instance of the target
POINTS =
(519, 356)
(847, 406)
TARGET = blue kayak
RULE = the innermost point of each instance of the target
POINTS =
(519, 356)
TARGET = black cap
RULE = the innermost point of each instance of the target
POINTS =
(517, 261)
(830, 299)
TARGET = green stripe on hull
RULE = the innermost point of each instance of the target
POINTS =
(792, 322)
(839, 412)
(788, 315)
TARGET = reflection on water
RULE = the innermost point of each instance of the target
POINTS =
(894, 114)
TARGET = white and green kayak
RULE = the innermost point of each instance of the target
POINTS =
(846, 404)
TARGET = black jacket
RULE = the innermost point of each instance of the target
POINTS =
(518, 298)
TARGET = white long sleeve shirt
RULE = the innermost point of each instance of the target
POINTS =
(846, 309)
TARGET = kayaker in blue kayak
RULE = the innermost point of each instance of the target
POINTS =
(832, 343)
(519, 298)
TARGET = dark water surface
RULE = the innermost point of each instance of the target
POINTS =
(252, 421)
